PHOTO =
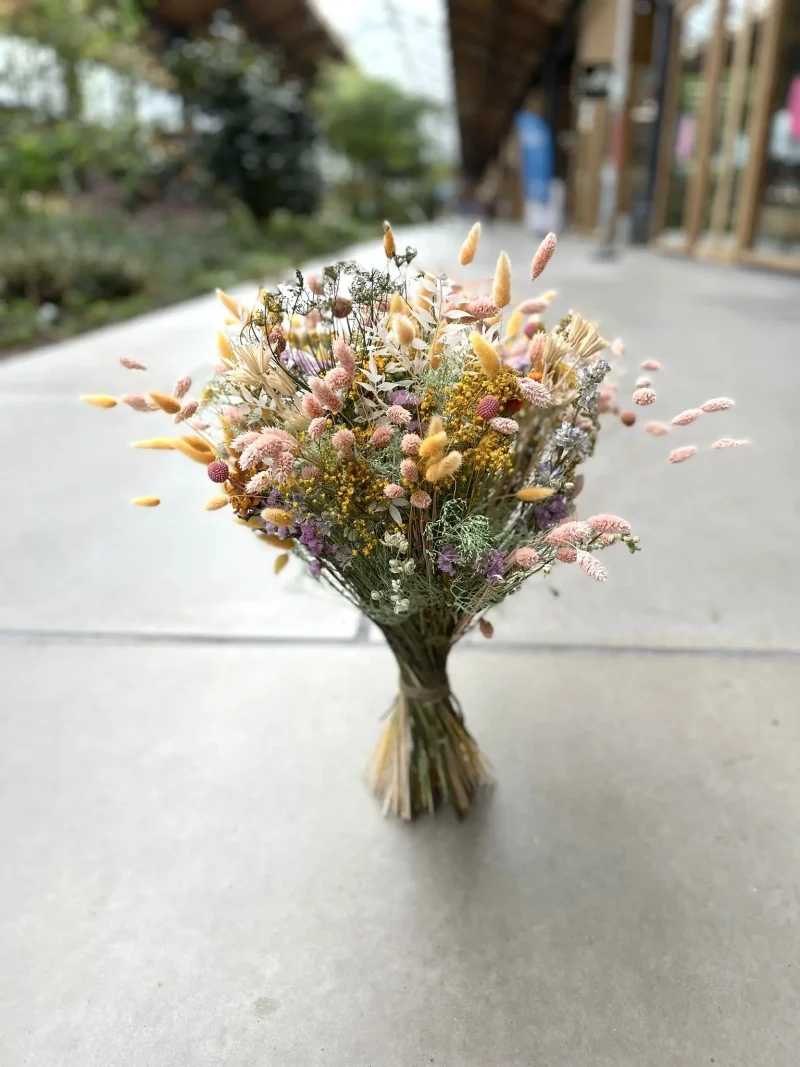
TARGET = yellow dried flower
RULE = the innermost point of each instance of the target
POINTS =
(435, 426)
(514, 323)
(433, 446)
(389, 246)
(501, 289)
(533, 493)
(224, 347)
(165, 443)
(398, 306)
(232, 305)
(470, 245)
(146, 501)
(486, 354)
(403, 329)
(281, 562)
(200, 453)
(277, 516)
(100, 400)
(166, 403)
(444, 468)
(214, 503)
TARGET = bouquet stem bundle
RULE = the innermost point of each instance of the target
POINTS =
(425, 754)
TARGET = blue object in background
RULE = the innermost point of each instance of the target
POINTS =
(536, 161)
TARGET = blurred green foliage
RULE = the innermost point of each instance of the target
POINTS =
(251, 130)
(99, 221)
(379, 130)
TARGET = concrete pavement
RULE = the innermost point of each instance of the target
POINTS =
(196, 876)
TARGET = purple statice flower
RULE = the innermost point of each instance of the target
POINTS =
(315, 568)
(551, 512)
(311, 536)
(490, 563)
(274, 499)
(296, 358)
(404, 398)
(447, 559)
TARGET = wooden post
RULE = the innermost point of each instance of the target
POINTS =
(767, 71)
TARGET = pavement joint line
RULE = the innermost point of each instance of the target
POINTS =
(360, 638)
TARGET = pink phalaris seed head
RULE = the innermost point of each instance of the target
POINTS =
(644, 397)
(567, 555)
(392, 491)
(311, 407)
(258, 483)
(532, 327)
(232, 414)
(343, 441)
(182, 387)
(569, 533)
(199, 424)
(686, 417)
(244, 440)
(219, 368)
(486, 628)
(131, 364)
(533, 307)
(218, 471)
(719, 403)
(526, 557)
(507, 427)
(680, 455)
(341, 307)
(420, 499)
(338, 378)
(656, 429)
(344, 356)
(283, 467)
(482, 308)
(410, 444)
(315, 285)
(310, 473)
(409, 470)
(602, 524)
(186, 412)
(289, 442)
(536, 351)
(730, 442)
(398, 415)
(488, 408)
(277, 340)
(543, 255)
(317, 427)
(535, 393)
(643, 382)
(617, 347)
(139, 402)
(313, 318)
(382, 435)
(591, 566)
(325, 395)
(650, 364)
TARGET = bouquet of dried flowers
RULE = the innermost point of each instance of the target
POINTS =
(417, 447)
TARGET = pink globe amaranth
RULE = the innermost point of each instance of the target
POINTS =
(218, 471)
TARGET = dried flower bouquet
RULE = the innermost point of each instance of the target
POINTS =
(418, 448)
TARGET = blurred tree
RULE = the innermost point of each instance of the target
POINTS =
(251, 130)
(378, 129)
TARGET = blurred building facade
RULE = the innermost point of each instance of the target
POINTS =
(673, 121)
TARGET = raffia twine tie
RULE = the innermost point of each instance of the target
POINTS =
(423, 695)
